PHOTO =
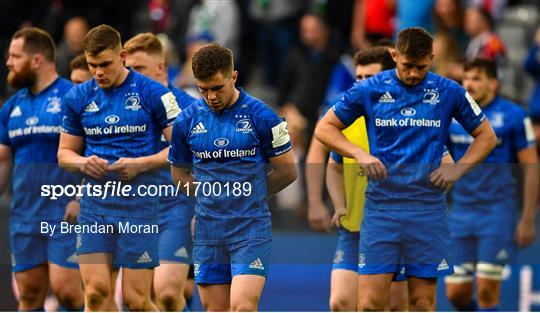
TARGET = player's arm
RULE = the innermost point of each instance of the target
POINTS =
(283, 173)
(484, 141)
(128, 168)
(70, 158)
(317, 212)
(526, 230)
(183, 177)
(328, 132)
(6, 166)
(336, 189)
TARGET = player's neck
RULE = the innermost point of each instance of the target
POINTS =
(44, 79)
(121, 78)
(487, 101)
(234, 98)
(164, 80)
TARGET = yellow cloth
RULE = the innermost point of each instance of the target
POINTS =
(355, 181)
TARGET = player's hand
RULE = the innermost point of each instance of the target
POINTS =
(336, 218)
(372, 166)
(127, 168)
(525, 232)
(446, 175)
(72, 212)
(318, 217)
(95, 167)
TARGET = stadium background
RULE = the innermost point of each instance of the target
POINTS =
(273, 57)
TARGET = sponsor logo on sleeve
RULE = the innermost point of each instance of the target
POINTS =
(474, 106)
(171, 106)
(280, 135)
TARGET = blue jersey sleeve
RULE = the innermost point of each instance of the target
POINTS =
(71, 123)
(4, 119)
(336, 157)
(523, 136)
(179, 153)
(162, 103)
(466, 111)
(351, 105)
(274, 134)
(182, 98)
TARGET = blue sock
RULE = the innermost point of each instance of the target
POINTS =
(491, 309)
(186, 308)
(40, 309)
(472, 307)
(62, 308)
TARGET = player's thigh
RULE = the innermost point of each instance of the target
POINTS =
(33, 282)
(399, 296)
(170, 278)
(215, 297)
(137, 283)
(246, 291)
(422, 293)
(65, 281)
(344, 277)
(373, 291)
(343, 290)
(95, 270)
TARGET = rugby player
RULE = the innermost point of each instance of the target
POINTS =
(111, 132)
(407, 111)
(484, 201)
(346, 185)
(220, 152)
(80, 72)
(144, 54)
(30, 123)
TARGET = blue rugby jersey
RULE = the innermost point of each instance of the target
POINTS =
(229, 147)
(407, 128)
(30, 125)
(492, 182)
(126, 121)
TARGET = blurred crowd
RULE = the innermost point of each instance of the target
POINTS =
(296, 55)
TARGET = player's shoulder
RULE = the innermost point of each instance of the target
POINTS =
(255, 107)
(510, 107)
(196, 108)
(18, 96)
(182, 97)
(440, 82)
(81, 92)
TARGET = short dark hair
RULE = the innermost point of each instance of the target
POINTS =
(488, 66)
(414, 42)
(211, 59)
(79, 63)
(379, 55)
(145, 42)
(101, 38)
(37, 40)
